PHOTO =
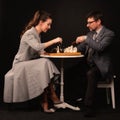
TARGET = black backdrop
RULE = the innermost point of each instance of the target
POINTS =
(68, 23)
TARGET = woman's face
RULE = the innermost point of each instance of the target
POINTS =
(45, 25)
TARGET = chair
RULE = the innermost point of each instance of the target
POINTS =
(108, 86)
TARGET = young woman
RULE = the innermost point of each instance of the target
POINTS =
(30, 75)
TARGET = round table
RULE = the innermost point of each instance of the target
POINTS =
(62, 75)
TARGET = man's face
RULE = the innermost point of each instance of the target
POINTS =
(93, 24)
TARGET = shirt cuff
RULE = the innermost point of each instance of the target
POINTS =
(85, 37)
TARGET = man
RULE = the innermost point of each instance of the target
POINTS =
(95, 45)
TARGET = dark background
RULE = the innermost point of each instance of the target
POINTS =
(68, 22)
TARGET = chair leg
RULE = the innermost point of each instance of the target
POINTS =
(109, 88)
(113, 95)
(108, 95)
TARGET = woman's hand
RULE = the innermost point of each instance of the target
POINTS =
(57, 40)
(53, 41)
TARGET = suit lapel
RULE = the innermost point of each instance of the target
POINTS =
(98, 38)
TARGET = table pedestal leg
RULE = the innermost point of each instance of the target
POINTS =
(66, 105)
(62, 82)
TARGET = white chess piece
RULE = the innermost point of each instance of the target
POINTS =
(58, 49)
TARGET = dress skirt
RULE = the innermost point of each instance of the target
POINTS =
(28, 79)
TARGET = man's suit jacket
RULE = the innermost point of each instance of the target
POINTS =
(101, 46)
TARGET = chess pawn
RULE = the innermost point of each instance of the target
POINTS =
(75, 49)
(71, 48)
(58, 49)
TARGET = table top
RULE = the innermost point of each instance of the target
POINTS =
(72, 56)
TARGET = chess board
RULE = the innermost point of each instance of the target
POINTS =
(65, 54)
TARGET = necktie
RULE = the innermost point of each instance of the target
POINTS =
(94, 35)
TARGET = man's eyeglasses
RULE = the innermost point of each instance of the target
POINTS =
(91, 22)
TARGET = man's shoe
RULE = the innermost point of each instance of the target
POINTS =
(89, 112)
(79, 100)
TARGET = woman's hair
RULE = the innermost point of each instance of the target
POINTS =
(38, 15)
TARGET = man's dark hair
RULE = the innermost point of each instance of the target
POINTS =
(96, 15)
